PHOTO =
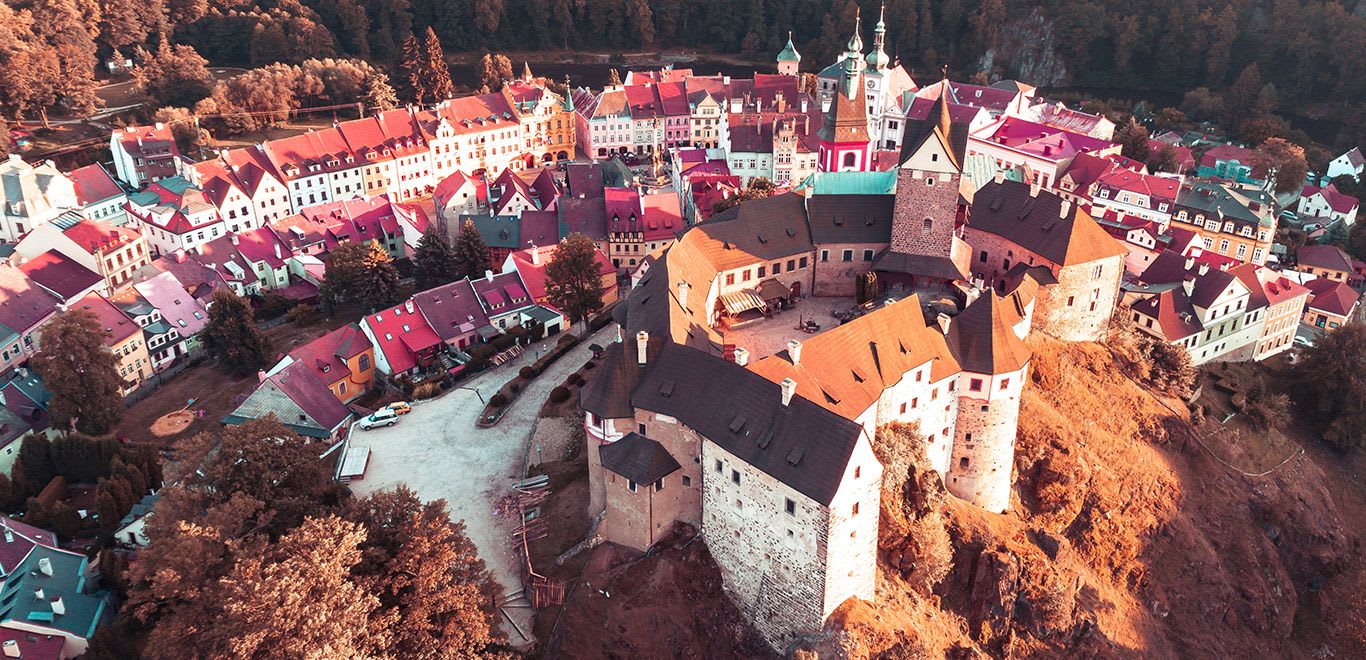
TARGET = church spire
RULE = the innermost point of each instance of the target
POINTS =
(568, 95)
(856, 41)
(878, 60)
(853, 59)
(526, 71)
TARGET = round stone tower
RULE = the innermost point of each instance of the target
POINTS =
(995, 364)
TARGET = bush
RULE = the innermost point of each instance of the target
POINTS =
(503, 342)
(498, 401)
(272, 305)
(559, 395)
(427, 390)
(303, 314)
(527, 372)
(567, 339)
(591, 366)
(514, 387)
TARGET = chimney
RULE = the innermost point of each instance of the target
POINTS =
(45, 565)
(1033, 190)
(535, 256)
(488, 275)
(803, 104)
(261, 376)
(408, 305)
(9, 534)
(642, 343)
(725, 80)
(741, 356)
(1204, 268)
(943, 320)
(794, 351)
(11, 648)
(789, 388)
(999, 176)
(1065, 209)
(683, 294)
(780, 102)
(1190, 263)
(38, 594)
(233, 237)
(179, 255)
(58, 607)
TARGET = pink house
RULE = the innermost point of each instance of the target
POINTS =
(1043, 150)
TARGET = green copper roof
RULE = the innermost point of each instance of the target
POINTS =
(789, 53)
(854, 183)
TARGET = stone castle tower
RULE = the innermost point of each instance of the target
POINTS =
(995, 362)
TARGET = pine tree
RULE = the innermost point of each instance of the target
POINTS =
(232, 336)
(437, 71)
(108, 508)
(81, 373)
(35, 458)
(433, 260)
(574, 278)
(488, 73)
(470, 252)
(1133, 140)
(379, 285)
(414, 69)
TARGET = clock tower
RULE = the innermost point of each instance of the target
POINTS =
(845, 145)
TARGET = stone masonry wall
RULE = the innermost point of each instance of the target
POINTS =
(984, 439)
(916, 201)
(837, 277)
(772, 563)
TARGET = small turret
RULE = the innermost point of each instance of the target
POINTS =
(789, 60)
(878, 60)
(568, 95)
(853, 60)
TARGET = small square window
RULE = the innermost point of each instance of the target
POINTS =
(687, 481)
(735, 476)
(718, 465)
(975, 385)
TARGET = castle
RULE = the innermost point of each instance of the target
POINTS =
(771, 455)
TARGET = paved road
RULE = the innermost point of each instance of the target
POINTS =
(437, 451)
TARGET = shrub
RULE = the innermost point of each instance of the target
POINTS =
(427, 390)
(559, 395)
(514, 387)
(1268, 411)
(567, 339)
(591, 365)
(527, 372)
(272, 305)
(503, 342)
(303, 314)
(498, 401)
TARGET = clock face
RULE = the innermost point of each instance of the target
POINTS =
(872, 84)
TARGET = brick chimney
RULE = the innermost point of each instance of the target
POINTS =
(488, 275)
(642, 344)
(789, 388)
(1203, 269)
(794, 351)
(1033, 190)
(741, 356)
(1188, 286)
(943, 320)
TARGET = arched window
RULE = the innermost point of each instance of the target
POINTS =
(849, 159)
(928, 225)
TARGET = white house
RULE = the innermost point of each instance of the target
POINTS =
(1327, 202)
(32, 195)
(1348, 164)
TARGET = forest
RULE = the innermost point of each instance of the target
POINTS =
(1307, 51)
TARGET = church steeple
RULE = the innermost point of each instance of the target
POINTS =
(789, 58)
(878, 60)
(853, 59)
(568, 95)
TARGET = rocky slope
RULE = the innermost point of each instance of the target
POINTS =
(1128, 536)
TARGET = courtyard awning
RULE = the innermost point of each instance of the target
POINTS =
(771, 289)
(741, 301)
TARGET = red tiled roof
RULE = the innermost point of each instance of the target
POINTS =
(1337, 201)
(23, 304)
(452, 309)
(327, 354)
(60, 274)
(1329, 257)
(1332, 297)
(117, 326)
(20, 539)
(388, 328)
(93, 184)
(1155, 187)
(97, 236)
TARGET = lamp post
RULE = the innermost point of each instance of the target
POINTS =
(476, 393)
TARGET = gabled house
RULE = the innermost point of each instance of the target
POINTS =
(1350, 163)
(113, 252)
(459, 194)
(343, 359)
(1205, 311)
(1332, 305)
(32, 195)
(181, 317)
(100, 196)
(1234, 164)
(25, 307)
(1236, 222)
(1326, 261)
(63, 277)
(1284, 301)
(404, 342)
(504, 298)
(175, 215)
(1328, 203)
(144, 154)
(455, 314)
(300, 400)
(124, 337)
(530, 265)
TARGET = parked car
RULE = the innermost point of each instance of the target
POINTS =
(1303, 341)
(400, 407)
(381, 417)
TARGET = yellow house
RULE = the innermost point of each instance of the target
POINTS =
(123, 337)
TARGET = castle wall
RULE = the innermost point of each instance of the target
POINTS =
(837, 277)
(851, 549)
(984, 439)
(931, 405)
(771, 562)
(600, 431)
(637, 518)
(1077, 308)
(685, 446)
(916, 200)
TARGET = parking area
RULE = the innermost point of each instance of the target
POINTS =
(769, 336)
(437, 451)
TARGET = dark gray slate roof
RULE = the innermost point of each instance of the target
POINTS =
(639, 459)
(850, 218)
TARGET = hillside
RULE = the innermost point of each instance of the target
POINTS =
(1128, 537)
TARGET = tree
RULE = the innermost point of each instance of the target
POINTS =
(613, 78)
(1329, 385)
(574, 277)
(488, 73)
(435, 593)
(64, 521)
(35, 458)
(81, 373)
(175, 76)
(232, 337)
(436, 70)
(1287, 159)
(108, 508)
(184, 128)
(414, 69)
(265, 461)
(360, 272)
(759, 188)
(379, 94)
(469, 252)
(1356, 241)
(1133, 140)
(1164, 160)
(1246, 99)
(433, 260)
(292, 599)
